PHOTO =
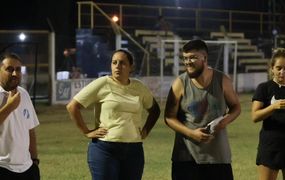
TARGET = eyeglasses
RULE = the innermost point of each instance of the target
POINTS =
(192, 59)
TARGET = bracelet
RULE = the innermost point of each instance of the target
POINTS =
(36, 161)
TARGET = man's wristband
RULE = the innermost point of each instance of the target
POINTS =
(36, 161)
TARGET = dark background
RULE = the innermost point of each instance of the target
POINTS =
(60, 16)
(57, 16)
(38, 14)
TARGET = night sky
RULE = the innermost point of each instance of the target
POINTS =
(33, 14)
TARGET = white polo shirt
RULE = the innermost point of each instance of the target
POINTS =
(14, 133)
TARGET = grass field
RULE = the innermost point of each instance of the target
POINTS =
(62, 148)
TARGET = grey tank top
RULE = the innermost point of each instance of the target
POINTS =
(198, 107)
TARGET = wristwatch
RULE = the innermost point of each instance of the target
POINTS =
(36, 161)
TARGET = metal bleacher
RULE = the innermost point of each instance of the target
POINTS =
(152, 40)
(139, 21)
(250, 58)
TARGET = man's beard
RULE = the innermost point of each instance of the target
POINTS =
(11, 85)
(196, 73)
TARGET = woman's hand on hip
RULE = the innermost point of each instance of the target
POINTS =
(97, 133)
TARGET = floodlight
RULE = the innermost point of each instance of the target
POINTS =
(22, 37)
(115, 18)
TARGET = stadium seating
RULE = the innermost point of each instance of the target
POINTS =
(250, 58)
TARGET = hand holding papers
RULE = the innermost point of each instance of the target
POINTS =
(211, 126)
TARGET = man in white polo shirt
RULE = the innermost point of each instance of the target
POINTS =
(18, 151)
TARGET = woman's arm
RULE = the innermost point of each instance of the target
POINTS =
(259, 113)
(73, 108)
(153, 115)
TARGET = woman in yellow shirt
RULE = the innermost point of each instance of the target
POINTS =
(116, 150)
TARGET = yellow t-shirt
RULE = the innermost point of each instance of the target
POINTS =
(117, 107)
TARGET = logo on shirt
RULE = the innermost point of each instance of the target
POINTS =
(26, 113)
(198, 108)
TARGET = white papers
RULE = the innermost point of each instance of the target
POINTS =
(273, 100)
(211, 126)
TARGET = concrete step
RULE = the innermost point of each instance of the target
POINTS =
(250, 54)
(169, 54)
(253, 61)
(168, 61)
(239, 41)
(247, 48)
(156, 39)
(229, 34)
(143, 32)
(256, 68)
(169, 45)
(154, 46)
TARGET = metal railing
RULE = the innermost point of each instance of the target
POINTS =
(111, 23)
(183, 19)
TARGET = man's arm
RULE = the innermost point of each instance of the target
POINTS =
(13, 100)
(33, 146)
(232, 101)
(171, 110)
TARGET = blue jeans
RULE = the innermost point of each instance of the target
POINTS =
(115, 161)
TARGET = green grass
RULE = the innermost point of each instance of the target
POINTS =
(62, 148)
